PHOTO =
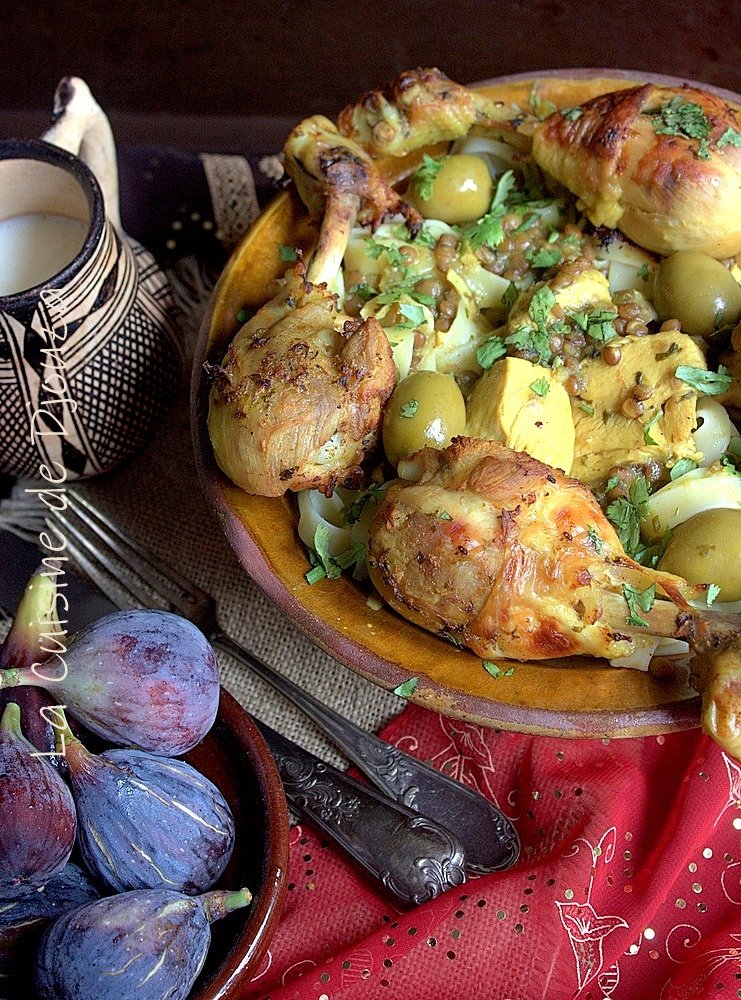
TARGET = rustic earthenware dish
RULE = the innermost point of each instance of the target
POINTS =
(236, 758)
(577, 697)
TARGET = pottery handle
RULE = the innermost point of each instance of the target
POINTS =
(81, 127)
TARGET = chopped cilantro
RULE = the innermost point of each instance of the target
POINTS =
(287, 253)
(412, 313)
(243, 315)
(531, 219)
(626, 514)
(363, 291)
(587, 407)
(510, 296)
(541, 304)
(444, 516)
(492, 349)
(712, 593)
(374, 249)
(541, 108)
(681, 468)
(533, 339)
(600, 325)
(488, 231)
(373, 494)
(425, 237)
(572, 114)
(706, 382)
(326, 565)
(731, 137)
(647, 439)
(395, 292)
(409, 408)
(686, 119)
(495, 671)
(638, 600)
(650, 555)
(612, 484)
(595, 539)
(544, 256)
(406, 689)
(424, 178)
(541, 387)
(643, 272)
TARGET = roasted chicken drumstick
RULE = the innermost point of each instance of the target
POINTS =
(297, 401)
(514, 559)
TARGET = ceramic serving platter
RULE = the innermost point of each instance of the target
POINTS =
(576, 697)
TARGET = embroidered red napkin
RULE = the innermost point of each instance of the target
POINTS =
(628, 885)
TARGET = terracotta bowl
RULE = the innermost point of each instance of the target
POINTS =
(580, 697)
(236, 758)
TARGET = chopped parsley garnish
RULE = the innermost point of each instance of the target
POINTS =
(409, 408)
(712, 592)
(488, 231)
(731, 137)
(572, 114)
(686, 119)
(287, 253)
(424, 178)
(706, 382)
(681, 468)
(495, 671)
(544, 256)
(638, 600)
(647, 439)
(406, 689)
(541, 387)
(626, 513)
(492, 349)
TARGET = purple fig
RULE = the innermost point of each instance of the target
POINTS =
(148, 822)
(23, 920)
(142, 678)
(35, 635)
(37, 829)
(148, 944)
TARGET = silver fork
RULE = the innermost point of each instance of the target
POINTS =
(489, 841)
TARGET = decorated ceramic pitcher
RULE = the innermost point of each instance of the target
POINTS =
(89, 352)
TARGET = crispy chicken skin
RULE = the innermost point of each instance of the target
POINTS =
(513, 559)
(297, 400)
(665, 192)
(418, 108)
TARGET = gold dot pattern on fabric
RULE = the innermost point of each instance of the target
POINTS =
(708, 852)
(680, 903)
(569, 893)
(628, 836)
(450, 954)
(702, 908)
(431, 942)
(388, 962)
(649, 933)
(501, 914)
(696, 887)
(737, 823)
(519, 928)
(412, 931)
(455, 934)
(365, 973)
(324, 977)
(560, 755)
(692, 867)
(653, 954)
(345, 964)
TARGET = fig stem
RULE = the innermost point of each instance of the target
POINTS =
(64, 737)
(220, 902)
(11, 720)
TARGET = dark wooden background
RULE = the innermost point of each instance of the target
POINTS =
(170, 63)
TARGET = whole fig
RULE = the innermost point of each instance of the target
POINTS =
(142, 678)
(147, 944)
(37, 814)
(35, 635)
(23, 920)
(148, 822)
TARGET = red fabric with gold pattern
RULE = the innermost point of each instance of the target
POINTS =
(628, 885)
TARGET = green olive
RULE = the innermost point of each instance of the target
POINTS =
(707, 549)
(460, 191)
(698, 291)
(426, 410)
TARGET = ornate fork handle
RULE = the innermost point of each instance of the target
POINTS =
(413, 857)
(488, 838)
